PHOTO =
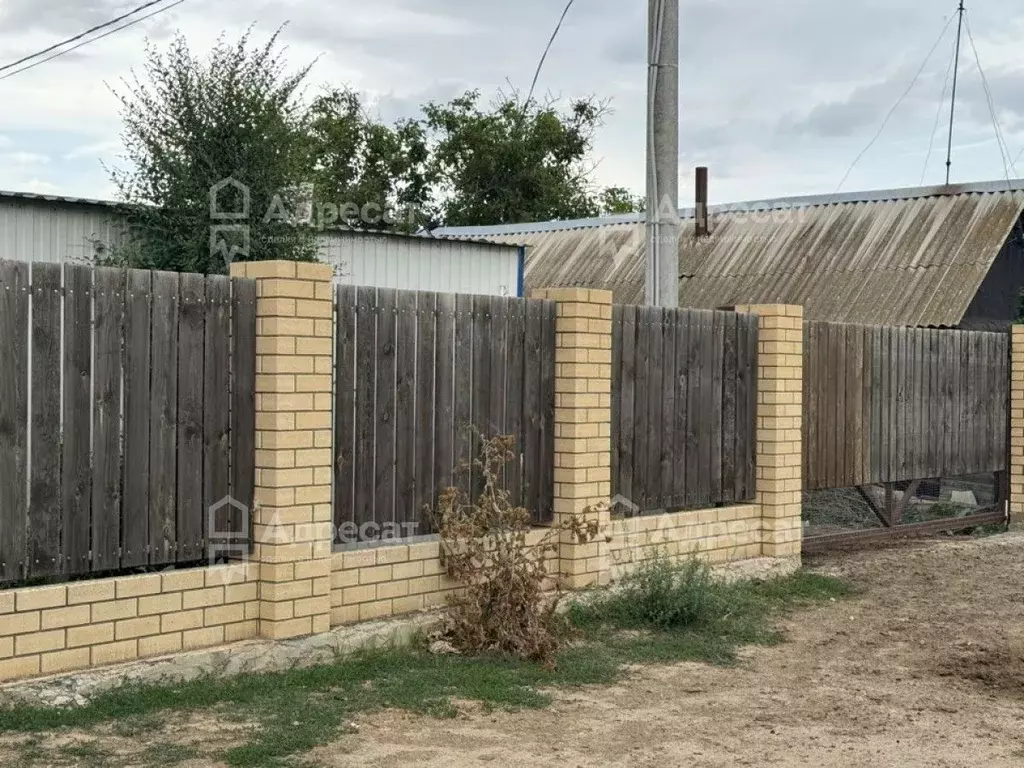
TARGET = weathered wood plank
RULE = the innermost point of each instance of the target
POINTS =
(694, 405)
(642, 436)
(163, 421)
(710, 445)
(532, 405)
(14, 381)
(220, 516)
(729, 439)
(627, 409)
(867, 361)
(655, 426)
(877, 405)
(76, 470)
(809, 433)
(345, 368)
(499, 309)
(464, 392)
(444, 393)
(108, 302)
(717, 364)
(681, 416)
(482, 428)
(406, 510)
(384, 462)
(137, 369)
(243, 403)
(365, 407)
(854, 402)
(191, 378)
(918, 452)
(546, 477)
(746, 401)
(44, 512)
(668, 388)
(514, 381)
(426, 355)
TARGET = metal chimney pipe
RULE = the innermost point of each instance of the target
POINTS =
(702, 226)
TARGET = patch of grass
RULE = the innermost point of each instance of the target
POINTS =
(88, 754)
(168, 754)
(130, 727)
(294, 711)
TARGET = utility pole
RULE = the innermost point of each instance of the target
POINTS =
(662, 215)
(952, 104)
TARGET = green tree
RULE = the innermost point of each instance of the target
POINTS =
(367, 174)
(513, 162)
(616, 200)
(191, 123)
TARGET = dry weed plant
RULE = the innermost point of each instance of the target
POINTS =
(508, 600)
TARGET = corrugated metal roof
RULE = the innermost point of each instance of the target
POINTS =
(896, 257)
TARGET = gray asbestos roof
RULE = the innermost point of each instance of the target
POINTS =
(900, 257)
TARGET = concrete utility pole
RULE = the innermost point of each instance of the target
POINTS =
(662, 288)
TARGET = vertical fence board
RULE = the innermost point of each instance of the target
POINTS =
(709, 446)
(366, 409)
(191, 378)
(137, 369)
(108, 300)
(641, 437)
(444, 393)
(76, 471)
(655, 395)
(532, 405)
(384, 463)
(668, 395)
(867, 361)
(163, 421)
(218, 512)
(854, 400)
(14, 321)
(694, 406)
(626, 384)
(717, 349)
(464, 375)
(546, 476)
(746, 417)
(243, 403)
(44, 512)
(480, 419)
(426, 397)
(729, 362)
(616, 395)
(346, 373)
(679, 427)
(405, 410)
(514, 394)
(809, 422)
(499, 361)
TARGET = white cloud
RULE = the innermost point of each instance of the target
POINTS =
(24, 158)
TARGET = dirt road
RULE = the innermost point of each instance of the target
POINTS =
(925, 668)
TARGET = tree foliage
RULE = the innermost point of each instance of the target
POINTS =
(618, 200)
(191, 123)
(366, 169)
(513, 162)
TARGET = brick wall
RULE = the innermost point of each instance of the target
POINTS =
(44, 630)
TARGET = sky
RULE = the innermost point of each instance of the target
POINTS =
(776, 98)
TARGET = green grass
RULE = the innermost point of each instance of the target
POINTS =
(295, 711)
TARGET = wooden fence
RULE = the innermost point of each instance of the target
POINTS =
(126, 413)
(684, 402)
(420, 377)
(885, 404)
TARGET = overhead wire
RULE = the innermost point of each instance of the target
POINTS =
(1004, 151)
(938, 117)
(80, 35)
(547, 49)
(896, 106)
(109, 32)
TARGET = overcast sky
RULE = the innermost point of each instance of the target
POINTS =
(777, 98)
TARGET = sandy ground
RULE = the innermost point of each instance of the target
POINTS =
(925, 668)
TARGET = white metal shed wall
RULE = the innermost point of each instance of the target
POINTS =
(423, 264)
(68, 231)
(55, 232)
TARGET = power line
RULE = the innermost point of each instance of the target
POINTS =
(109, 32)
(79, 36)
(544, 56)
(896, 106)
(938, 116)
(1004, 150)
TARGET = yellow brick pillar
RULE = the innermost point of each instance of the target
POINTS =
(1016, 467)
(583, 415)
(780, 361)
(292, 516)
